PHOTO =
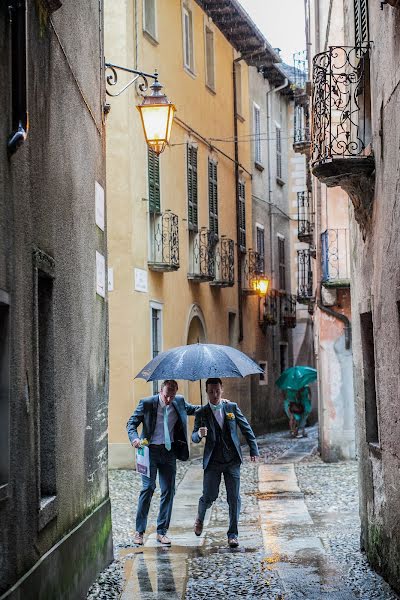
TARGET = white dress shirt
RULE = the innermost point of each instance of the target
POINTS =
(218, 414)
(158, 434)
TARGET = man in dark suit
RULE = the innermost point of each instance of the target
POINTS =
(218, 422)
(164, 430)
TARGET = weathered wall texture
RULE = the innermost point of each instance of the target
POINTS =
(376, 290)
(47, 201)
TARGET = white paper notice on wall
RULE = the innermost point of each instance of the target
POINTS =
(99, 197)
(141, 280)
(110, 279)
(100, 275)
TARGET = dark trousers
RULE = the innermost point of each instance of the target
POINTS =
(164, 462)
(211, 483)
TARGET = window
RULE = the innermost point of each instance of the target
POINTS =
(368, 352)
(260, 241)
(361, 21)
(238, 80)
(18, 57)
(4, 392)
(242, 216)
(264, 375)
(44, 272)
(232, 329)
(278, 152)
(213, 196)
(192, 187)
(257, 134)
(156, 336)
(188, 54)
(154, 181)
(210, 60)
(149, 18)
(281, 263)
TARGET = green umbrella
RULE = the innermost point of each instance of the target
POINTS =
(295, 378)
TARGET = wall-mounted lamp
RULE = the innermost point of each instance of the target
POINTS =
(261, 285)
(156, 112)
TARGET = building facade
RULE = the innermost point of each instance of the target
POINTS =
(366, 167)
(55, 522)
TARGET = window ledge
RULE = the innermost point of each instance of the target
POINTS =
(375, 449)
(189, 71)
(150, 37)
(211, 89)
(48, 510)
(280, 181)
(240, 118)
(258, 166)
(4, 492)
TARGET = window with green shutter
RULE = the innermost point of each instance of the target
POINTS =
(154, 181)
(361, 21)
(213, 196)
(242, 216)
(192, 187)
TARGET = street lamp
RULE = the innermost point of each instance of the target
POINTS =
(156, 112)
(261, 285)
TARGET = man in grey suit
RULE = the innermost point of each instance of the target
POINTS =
(164, 429)
(218, 422)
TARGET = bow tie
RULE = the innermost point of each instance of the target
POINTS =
(216, 407)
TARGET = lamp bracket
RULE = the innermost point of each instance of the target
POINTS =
(112, 78)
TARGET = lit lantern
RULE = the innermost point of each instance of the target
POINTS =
(157, 115)
(261, 286)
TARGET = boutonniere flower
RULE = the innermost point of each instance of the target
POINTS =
(144, 442)
(230, 416)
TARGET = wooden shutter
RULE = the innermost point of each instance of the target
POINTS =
(282, 263)
(361, 21)
(154, 181)
(213, 196)
(192, 187)
(278, 153)
(242, 216)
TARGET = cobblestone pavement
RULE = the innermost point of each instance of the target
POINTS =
(215, 571)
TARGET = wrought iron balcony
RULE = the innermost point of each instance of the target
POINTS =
(300, 70)
(341, 115)
(224, 263)
(288, 310)
(305, 276)
(305, 217)
(164, 242)
(335, 258)
(253, 269)
(268, 315)
(202, 245)
(302, 137)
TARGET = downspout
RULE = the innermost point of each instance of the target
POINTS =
(337, 315)
(239, 253)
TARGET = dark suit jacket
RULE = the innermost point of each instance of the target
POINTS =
(146, 414)
(204, 418)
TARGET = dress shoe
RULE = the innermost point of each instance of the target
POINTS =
(138, 538)
(233, 542)
(198, 526)
(163, 540)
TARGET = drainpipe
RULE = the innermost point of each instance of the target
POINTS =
(239, 254)
(337, 315)
(270, 203)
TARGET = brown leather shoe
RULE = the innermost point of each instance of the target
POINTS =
(233, 542)
(163, 539)
(198, 526)
(138, 538)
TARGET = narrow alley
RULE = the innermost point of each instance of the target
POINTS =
(299, 535)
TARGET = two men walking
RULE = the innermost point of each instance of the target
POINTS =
(164, 420)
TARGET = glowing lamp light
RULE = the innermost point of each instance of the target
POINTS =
(157, 115)
(261, 286)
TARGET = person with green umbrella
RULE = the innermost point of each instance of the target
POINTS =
(297, 404)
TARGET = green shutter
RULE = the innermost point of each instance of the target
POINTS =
(242, 216)
(154, 181)
(213, 196)
(192, 187)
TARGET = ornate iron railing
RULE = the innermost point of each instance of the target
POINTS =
(202, 255)
(269, 309)
(338, 119)
(288, 310)
(305, 217)
(335, 256)
(164, 242)
(253, 269)
(300, 71)
(224, 263)
(305, 276)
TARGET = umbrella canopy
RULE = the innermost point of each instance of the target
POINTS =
(199, 361)
(295, 378)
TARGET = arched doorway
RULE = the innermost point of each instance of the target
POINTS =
(195, 332)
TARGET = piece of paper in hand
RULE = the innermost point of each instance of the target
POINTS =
(143, 461)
